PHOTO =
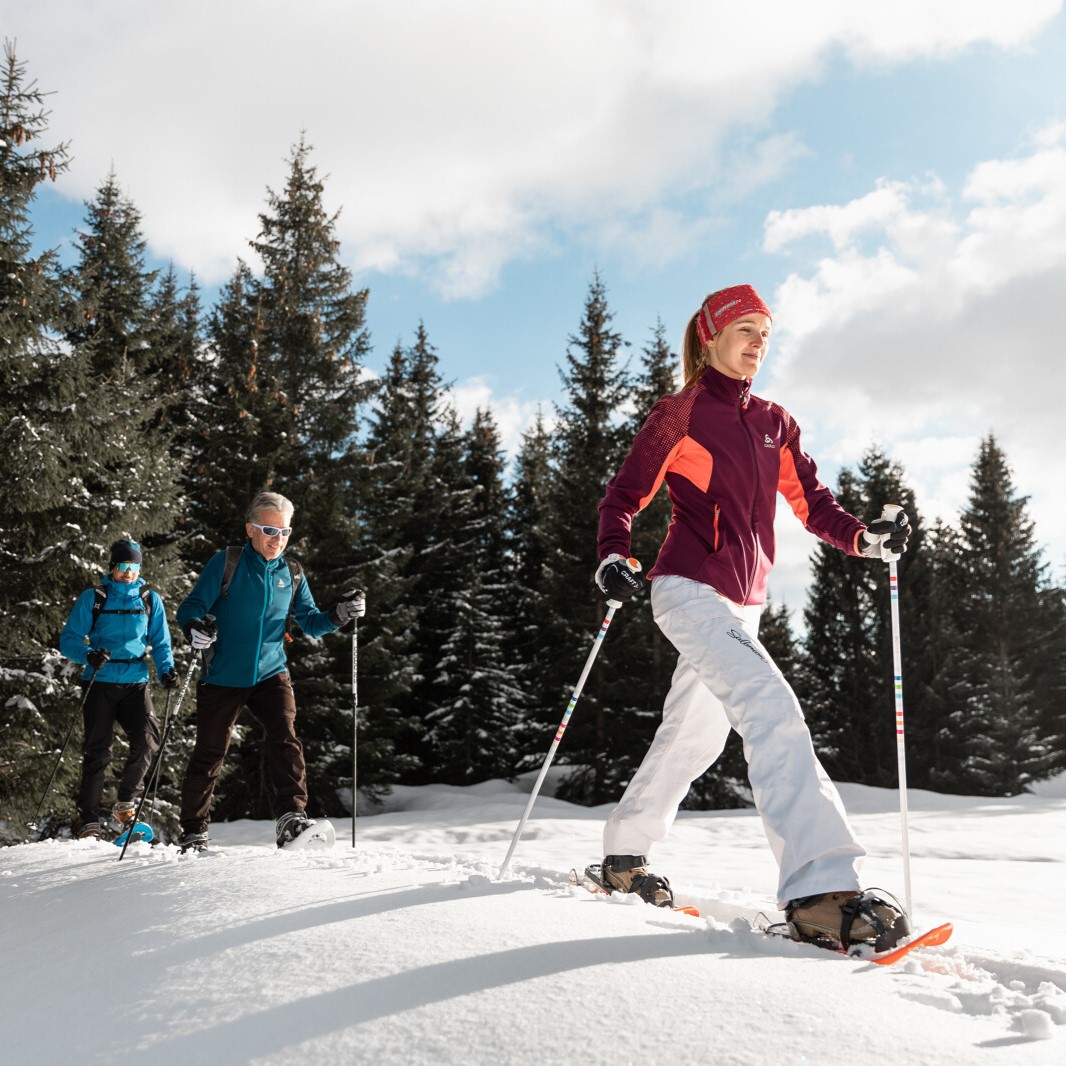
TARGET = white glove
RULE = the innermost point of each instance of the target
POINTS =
(352, 605)
(202, 634)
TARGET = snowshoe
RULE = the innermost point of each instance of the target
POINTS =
(142, 833)
(629, 873)
(843, 919)
(123, 812)
(195, 842)
(296, 830)
(92, 831)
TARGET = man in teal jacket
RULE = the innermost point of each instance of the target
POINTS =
(111, 630)
(237, 619)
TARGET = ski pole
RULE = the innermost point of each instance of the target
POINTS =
(155, 776)
(890, 512)
(355, 716)
(612, 606)
(159, 754)
(33, 823)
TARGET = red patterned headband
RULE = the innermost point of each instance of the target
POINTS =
(721, 308)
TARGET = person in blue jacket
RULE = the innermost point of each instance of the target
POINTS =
(238, 621)
(112, 629)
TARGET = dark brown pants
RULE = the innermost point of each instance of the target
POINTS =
(273, 706)
(131, 707)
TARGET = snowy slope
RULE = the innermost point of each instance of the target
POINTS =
(408, 949)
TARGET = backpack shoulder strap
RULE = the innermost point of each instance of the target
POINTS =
(233, 557)
(296, 575)
(99, 599)
(146, 600)
(296, 572)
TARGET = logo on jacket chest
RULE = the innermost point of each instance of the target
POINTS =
(768, 441)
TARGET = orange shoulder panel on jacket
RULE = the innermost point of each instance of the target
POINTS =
(689, 459)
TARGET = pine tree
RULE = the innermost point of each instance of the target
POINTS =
(130, 467)
(281, 409)
(1007, 619)
(528, 511)
(846, 683)
(471, 698)
(43, 395)
(131, 471)
(228, 437)
(399, 506)
(588, 446)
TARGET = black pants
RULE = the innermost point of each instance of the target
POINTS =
(130, 706)
(273, 705)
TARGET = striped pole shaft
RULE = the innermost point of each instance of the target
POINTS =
(613, 606)
(901, 753)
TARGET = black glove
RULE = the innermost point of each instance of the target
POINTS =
(886, 538)
(96, 657)
(169, 679)
(201, 633)
(617, 578)
(351, 605)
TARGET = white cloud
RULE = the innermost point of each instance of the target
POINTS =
(513, 414)
(935, 322)
(456, 135)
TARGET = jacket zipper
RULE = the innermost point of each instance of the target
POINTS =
(717, 512)
(754, 489)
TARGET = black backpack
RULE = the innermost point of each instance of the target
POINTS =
(100, 598)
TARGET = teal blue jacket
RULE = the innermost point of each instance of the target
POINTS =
(251, 617)
(123, 628)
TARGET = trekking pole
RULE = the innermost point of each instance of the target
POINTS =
(159, 754)
(33, 822)
(890, 512)
(355, 714)
(155, 776)
(612, 606)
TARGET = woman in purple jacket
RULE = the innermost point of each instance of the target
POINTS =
(724, 455)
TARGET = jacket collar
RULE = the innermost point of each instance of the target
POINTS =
(130, 590)
(723, 387)
(259, 561)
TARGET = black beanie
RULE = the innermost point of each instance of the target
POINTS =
(125, 551)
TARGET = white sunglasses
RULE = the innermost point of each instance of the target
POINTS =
(272, 531)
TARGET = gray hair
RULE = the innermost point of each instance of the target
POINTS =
(270, 501)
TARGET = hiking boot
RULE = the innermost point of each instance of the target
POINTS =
(91, 831)
(291, 825)
(193, 842)
(629, 873)
(845, 918)
(123, 812)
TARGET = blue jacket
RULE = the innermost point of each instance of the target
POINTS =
(126, 636)
(250, 618)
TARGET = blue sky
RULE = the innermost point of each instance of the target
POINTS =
(891, 178)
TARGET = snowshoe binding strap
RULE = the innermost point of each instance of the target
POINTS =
(648, 886)
(882, 912)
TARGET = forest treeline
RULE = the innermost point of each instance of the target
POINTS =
(129, 409)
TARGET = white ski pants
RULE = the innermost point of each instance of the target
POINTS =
(726, 679)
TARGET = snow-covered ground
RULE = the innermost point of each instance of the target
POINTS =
(409, 949)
